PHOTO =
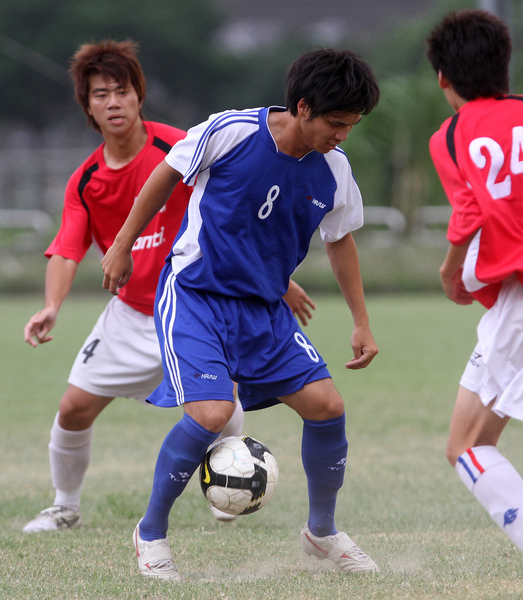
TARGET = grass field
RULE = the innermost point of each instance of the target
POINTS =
(401, 502)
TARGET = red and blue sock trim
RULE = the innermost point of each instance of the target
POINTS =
(471, 464)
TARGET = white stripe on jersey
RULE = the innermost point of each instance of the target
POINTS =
(187, 247)
(216, 123)
(167, 312)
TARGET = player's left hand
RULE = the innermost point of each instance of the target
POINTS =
(364, 348)
(299, 302)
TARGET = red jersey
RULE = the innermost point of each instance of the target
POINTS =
(478, 154)
(98, 200)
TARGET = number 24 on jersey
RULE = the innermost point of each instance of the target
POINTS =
(498, 189)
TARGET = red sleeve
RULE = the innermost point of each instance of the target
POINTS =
(74, 236)
(466, 216)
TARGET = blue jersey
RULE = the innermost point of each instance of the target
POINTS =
(254, 210)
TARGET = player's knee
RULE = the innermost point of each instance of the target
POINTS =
(215, 424)
(72, 420)
(211, 415)
(329, 407)
(78, 410)
(68, 408)
(453, 452)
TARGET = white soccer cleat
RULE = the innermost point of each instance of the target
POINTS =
(220, 515)
(155, 558)
(54, 518)
(339, 548)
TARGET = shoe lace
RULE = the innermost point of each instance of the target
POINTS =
(166, 564)
(356, 553)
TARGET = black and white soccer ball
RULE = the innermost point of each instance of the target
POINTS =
(238, 475)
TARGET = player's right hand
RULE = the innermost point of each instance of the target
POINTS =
(38, 327)
(117, 265)
(363, 346)
(455, 289)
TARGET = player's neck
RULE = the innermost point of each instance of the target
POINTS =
(286, 134)
(119, 150)
(453, 98)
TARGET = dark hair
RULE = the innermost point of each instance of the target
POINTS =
(471, 49)
(111, 60)
(331, 80)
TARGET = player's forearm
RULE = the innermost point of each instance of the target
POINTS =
(345, 265)
(59, 278)
(152, 197)
(453, 261)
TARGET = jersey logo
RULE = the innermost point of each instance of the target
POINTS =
(150, 241)
(316, 202)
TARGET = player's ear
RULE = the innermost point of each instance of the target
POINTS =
(443, 81)
(303, 109)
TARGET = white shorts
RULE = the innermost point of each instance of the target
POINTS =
(121, 356)
(495, 369)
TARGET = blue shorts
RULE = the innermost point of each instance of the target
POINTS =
(208, 340)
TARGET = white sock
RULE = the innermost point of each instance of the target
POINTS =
(69, 455)
(235, 424)
(497, 486)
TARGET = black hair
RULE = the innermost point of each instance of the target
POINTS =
(471, 49)
(331, 80)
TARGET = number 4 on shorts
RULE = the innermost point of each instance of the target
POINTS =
(89, 349)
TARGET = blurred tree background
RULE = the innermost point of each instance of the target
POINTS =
(190, 74)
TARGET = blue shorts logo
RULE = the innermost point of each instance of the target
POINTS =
(206, 376)
(510, 516)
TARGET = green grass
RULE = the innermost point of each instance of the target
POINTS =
(401, 501)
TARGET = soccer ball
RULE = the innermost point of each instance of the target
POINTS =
(238, 475)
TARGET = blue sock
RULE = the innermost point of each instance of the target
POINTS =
(324, 455)
(180, 455)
